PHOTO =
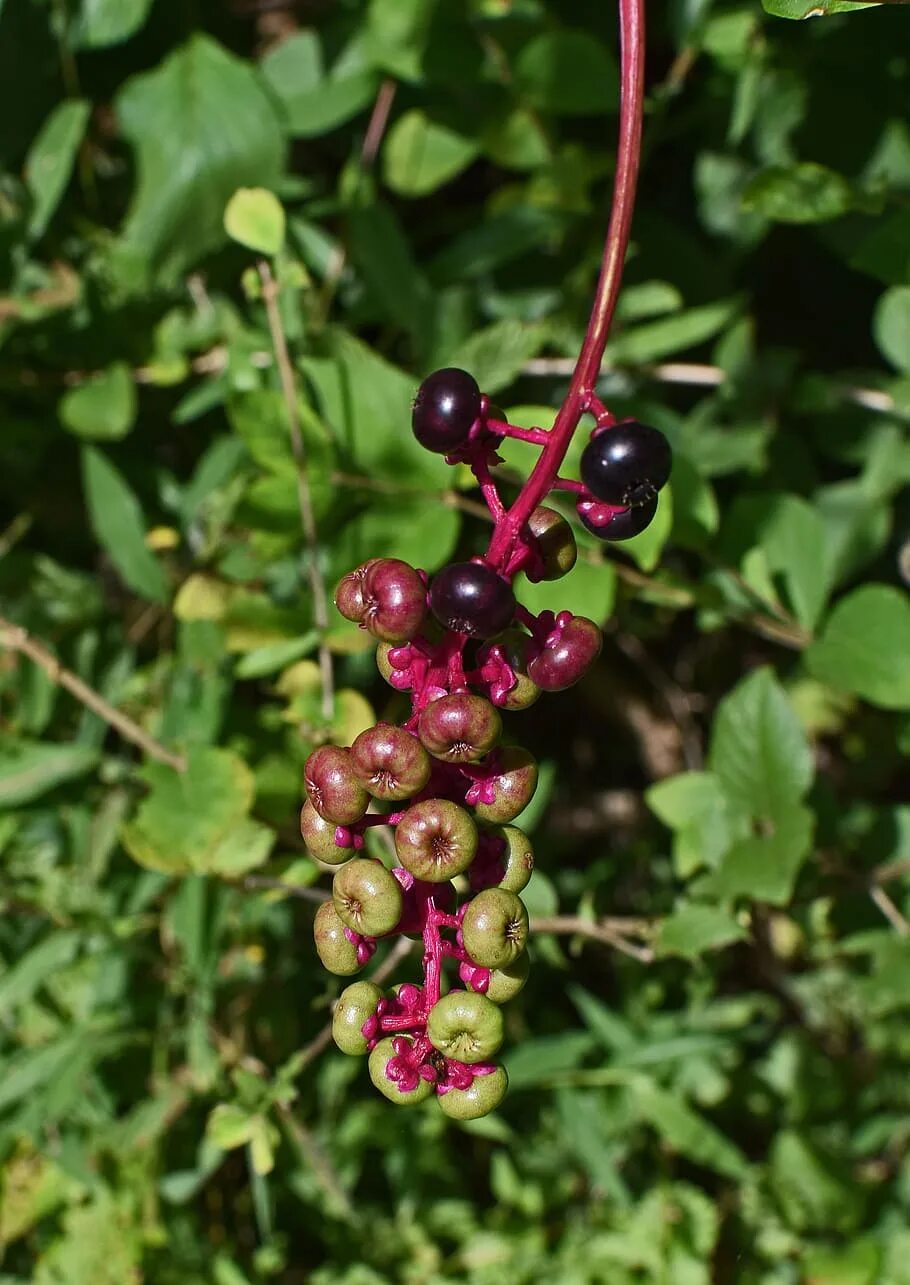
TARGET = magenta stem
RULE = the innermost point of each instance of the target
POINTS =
(581, 389)
(568, 484)
(539, 436)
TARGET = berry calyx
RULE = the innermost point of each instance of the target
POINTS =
(460, 728)
(445, 409)
(332, 786)
(627, 464)
(609, 523)
(367, 897)
(349, 592)
(436, 840)
(495, 928)
(394, 600)
(392, 1072)
(465, 1026)
(471, 598)
(389, 762)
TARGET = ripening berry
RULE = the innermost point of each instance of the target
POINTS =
(465, 1026)
(337, 952)
(394, 600)
(319, 837)
(367, 897)
(484, 1095)
(390, 762)
(459, 728)
(495, 928)
(349, 592)
(513, 786)
(626, 464)
(391, 1073)
(356, 1005)
(332, 787)
(445, 408)
(471, 598)
(555, 543)
(517, 859)
(436, 840)
(564, 661)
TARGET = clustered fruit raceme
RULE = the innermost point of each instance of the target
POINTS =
(464, 649)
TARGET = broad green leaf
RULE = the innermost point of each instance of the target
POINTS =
(254, 217)
(695, 807)
(759, 752)
(813, 8)
(865, 646)
(810, 1194)
(417, 529)
(398, 289)
(104, 407)
(568, 73)
(275, 656)
(646, 547)
(805, 193)
(694, 929)
(686, 1131)
(419, 155)
(108, 22)
(891, 327)
(395, 35)
(654, 340)
(764, 866)
(496, 354)
(229, 1126)
(117, 521)
(20, 982)
(29, 769)
(312, 102)
(588, 590)
(201, 125)
(533, 1061)
(50, 160)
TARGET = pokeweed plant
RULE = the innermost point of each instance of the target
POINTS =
(464, 647)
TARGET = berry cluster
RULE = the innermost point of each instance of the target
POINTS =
(463, 648)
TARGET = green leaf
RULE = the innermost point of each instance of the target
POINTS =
(647, 547)
(20, 983)
(117, 521)
(416, 528)
(695, 929)
(496, 354)
(686, 1131)
(891, 327)
(108, 22)
(655, 340)
(229, 1126)
(865, 647)
(275, 656)
(50, 160)
(813, 8)
(695, 807)
(805, 193)
(254, 217)
(533, 1061)
(588, 590)
(29, 769)
(758, 751)
(419, 155)
(396, 35)
(104, 407)
(196, 820)
(312, 102)
(764, 866)
(568, 73)
(201, 126)
(398, 289)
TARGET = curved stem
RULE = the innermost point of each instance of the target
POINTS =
(578, 398)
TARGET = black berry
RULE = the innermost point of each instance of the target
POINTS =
(446, 405)
(626, 465)
(623, 524)
(470, 598)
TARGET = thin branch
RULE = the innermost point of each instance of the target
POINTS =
(891, 870)
(379, 119)
(886, 905)
(17, 639)
(603, 931)
(314, 1157)
(304, 495)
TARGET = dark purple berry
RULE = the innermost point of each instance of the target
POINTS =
(569, 655)
(616, 524)
(394, 600)
(459, 728)
(445, 408)
(626, 465)
(470, 598)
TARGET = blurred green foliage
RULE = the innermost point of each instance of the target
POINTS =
(729, 786)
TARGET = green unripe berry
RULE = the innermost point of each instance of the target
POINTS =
(506, 983)
(484, 1096)
(367, 897)
(338, 955)
(518, 858)
(332, 787)
(465, 1026)
(356, 1004)
(319, 837)
(380, 1057)
(495, 928)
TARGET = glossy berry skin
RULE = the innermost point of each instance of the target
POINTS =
(555, 543)
(436, 840)
(389, 762)
(394, 600)
(470, 598)
(356, 1004)
(517, 858)
(367, 898)
(513, 786)
(622, 524)
(484, 1095)
(506, 983)
(572, 653)
(349, 592)
(459, 728)
(382, 1055)
(627, 464)
(445, 408)
(495, 928)
(512, 647)
(332, 787)
(465, 1026)
(337, 953)
(319, 837)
